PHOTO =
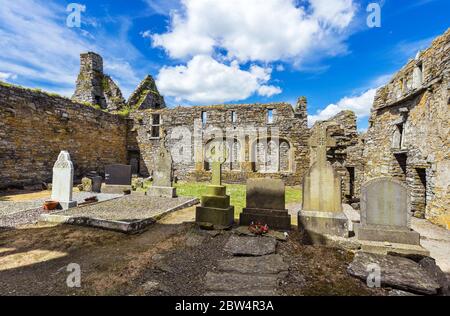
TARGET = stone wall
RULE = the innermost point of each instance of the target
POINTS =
(346, 155)
(408, 135)
(289, 142)
(36, 126)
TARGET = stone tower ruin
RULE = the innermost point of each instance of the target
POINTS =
(94, 87)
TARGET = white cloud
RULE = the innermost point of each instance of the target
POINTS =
(38, 47)
(254, 30)
(360, 104)
(205, 80)
(268, 91)
(5, 76)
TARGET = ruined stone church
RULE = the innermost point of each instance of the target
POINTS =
(407, 138)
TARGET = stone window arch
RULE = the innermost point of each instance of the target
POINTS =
(271, 155)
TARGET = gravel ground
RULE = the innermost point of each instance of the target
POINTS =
(13, 214)
(128, 208)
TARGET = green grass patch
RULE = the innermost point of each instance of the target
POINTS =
(236, 192)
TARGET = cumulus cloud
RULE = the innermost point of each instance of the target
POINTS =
(38, 47)
(254, 30)
(360, 104)
(268, 91)
(205, 80)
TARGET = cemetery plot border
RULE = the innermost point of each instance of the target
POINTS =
(128, 227)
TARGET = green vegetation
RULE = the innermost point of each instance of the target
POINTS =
(236, 192)
(124, 112)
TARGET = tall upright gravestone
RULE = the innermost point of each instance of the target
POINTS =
(162, 175)
(62, 183)
(215, 208)
(386, 212)
(321, 211)
(266, 204)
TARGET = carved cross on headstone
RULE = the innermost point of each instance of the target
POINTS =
(320, 141)
(217, 153)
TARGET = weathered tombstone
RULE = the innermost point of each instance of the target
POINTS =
(215, 206)
(62, 184)
(117, 179)
(266, 204)
(162, 176)
(97, 184)
(386, 212)
(321, 212)
(118, 174)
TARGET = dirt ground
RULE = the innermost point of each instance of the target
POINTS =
(171, 258)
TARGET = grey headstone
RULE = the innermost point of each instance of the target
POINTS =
(385, 202)
(162, 175)
(266, 194)
(118, 174)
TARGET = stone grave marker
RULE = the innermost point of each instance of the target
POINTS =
(266, 204)
(215, 208)
(117, 179)
(62, 184)
(162, 175)
(322, 211)
(386, 212)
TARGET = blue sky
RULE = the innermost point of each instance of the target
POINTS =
(223, 51)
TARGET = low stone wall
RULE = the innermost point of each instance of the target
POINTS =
(36, 126)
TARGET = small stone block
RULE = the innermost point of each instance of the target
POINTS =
(275, 219)
(168, 192)
(215, 216)
(323, 223)
(392, 234)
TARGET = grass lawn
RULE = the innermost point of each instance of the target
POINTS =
(236, 192)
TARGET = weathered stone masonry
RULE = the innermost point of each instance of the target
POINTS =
(35, 127)
(346, 156)
(291, 143)
(408, 135)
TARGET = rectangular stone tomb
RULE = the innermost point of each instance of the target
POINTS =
(266, 204)
(215, 208)
(385, 213)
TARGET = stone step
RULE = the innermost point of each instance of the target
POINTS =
(271, 264)
(239, 284)
(250, 246)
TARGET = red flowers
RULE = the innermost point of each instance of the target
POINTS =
(258, 228)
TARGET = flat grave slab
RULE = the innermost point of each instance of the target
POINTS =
(14, 213)
(128, 214)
